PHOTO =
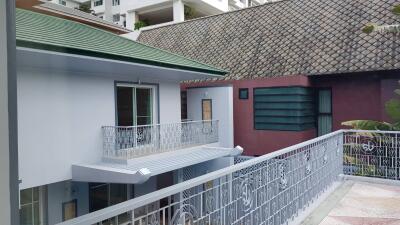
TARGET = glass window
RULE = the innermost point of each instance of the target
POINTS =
(324, 111)
(116, 18)
(102, 195)
(115, 2)
(30, 207)
(243, 93)
(118, 193)
(144, 106)
(135, 105)
(98, 196)
(98, 2)
(62, 2)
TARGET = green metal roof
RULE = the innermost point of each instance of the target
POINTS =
(39, 31)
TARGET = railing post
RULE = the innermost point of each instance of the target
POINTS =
(133, 217)
(342, 136)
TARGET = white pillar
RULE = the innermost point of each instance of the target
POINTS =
(108, 10)
(131, 19)
(179, 11)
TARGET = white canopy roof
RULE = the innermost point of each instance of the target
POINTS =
(140, 169)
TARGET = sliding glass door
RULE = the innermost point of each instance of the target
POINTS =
(135, 105)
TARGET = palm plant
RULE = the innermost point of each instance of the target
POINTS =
(393, 28)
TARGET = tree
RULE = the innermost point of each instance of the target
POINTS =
(392, 108)
(393, 28)
(189, 13)
(139, 24)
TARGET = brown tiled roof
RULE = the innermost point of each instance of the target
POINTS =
(290, 37)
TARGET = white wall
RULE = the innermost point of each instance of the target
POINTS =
(60, 118)
(140, 4)
(170, 103)
(62, 192)
(222, 109)
(69, 3)
(145, 188)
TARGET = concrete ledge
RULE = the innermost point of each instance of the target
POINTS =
(371, 180)
(315, 204)
(326, 205)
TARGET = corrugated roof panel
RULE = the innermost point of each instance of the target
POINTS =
(40, 31)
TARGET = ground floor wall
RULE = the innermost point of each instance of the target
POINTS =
(61, 193)
(354, 96)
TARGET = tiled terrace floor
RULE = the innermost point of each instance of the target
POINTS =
(359, 203)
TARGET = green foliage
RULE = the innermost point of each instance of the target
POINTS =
(368, 125)
(369, 28)
(396, 10)
(85, 8)
(392, 108)
(189, 13)
(139, 24)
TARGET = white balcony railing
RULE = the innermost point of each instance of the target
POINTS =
(135, 141)
(271, 189)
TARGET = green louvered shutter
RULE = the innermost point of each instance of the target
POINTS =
(284, 108)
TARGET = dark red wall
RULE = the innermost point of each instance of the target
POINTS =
(356, 96)
(259, 142)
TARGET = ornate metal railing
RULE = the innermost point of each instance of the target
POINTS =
(372, 154)
(271, 189)
(135, 141)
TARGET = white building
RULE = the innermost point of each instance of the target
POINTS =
(154, 12)
(101, 124)
(70, 3)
